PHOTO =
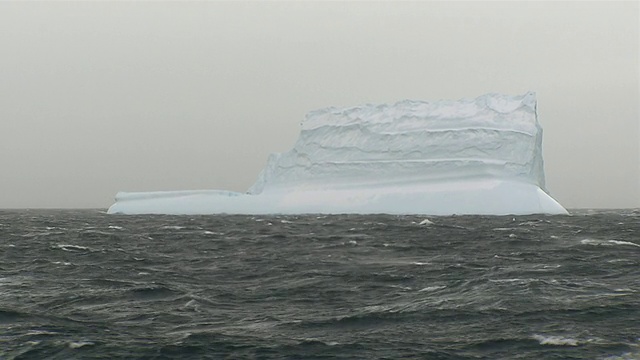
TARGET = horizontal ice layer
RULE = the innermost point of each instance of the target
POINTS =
(480, 156)
(476, 196)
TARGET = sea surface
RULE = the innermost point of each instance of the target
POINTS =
(80, 284)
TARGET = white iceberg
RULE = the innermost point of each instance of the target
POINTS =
(471, 156)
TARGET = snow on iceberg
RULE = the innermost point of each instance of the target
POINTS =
(471, 156)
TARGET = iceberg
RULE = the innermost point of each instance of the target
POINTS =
(472, 156)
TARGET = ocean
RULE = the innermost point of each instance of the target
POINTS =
(80, 284)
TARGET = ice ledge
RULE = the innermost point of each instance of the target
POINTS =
(470, 197)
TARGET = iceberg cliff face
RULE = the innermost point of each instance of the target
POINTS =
(481, 156)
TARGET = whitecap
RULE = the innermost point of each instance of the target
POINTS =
(592, 242)
(503, 229)
(40, 332)
(70, 247)
(192, 305)
(173, 227)
(316, 340)
(508, 257)
(426, 222)
(596, 242)
(621, 261)
(114, 227)
(617, 242)
(555, 266)
(624, 290)
(79, 344)
(53, 228)
(555, 340)
(514, 280)
(532, 223)
(432, 288)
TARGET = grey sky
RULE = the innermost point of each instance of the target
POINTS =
(97, 97)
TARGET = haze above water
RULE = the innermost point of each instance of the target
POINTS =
(98, 97)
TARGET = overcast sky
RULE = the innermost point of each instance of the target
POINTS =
(98, 97)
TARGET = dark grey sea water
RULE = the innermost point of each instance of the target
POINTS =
(86, 285)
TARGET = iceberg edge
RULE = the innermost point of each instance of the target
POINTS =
(473, 156)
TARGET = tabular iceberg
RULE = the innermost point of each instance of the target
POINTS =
(471, 156)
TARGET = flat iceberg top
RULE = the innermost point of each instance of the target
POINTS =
(410, 115)
(471, 156)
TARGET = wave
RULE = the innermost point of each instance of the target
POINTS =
(597, 242)
(555, 340)
(71, 247)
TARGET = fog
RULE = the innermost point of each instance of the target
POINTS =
(99, 97)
